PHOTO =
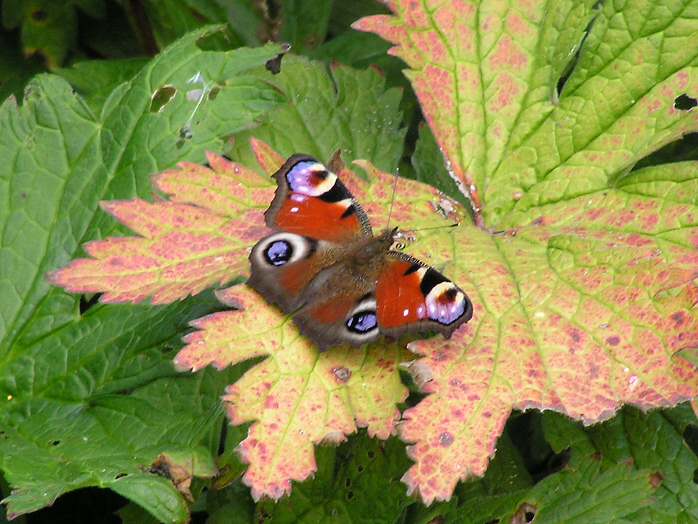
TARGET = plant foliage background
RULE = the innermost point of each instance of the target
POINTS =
(97, 424)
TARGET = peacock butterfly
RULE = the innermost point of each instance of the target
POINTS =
(342, 284)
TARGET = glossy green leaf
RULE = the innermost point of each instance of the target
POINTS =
(87, 397)
(329, 110)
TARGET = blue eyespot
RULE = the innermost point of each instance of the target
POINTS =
(278, 253)
(362, 322)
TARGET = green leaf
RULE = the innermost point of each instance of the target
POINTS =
(249, 22)
(15, 71)
(655, 443)
(48, 28)
(154, 493)
(304, 23)
(103, 158)
(329, 110)
(69, 183)
(94, 80)
(588, 494)
(64, 406)
(652, 444)
(89, 397)
(170, 19)
(358, 481)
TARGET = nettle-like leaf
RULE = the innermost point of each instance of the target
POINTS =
(582, 271)
(48, 28)
(81, 381)
(296, 397)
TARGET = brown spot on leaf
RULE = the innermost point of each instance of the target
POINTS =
(445, 439)
(341, 374)
(656, 479)
(679, 318)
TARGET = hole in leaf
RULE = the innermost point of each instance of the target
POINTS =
(525, 513)
(371, 454)
(685, 102)
(119, 476)
(350, 495)
(86, 302)
(39, 15)
(695, 476)
(274, 65)
(185, 133)
(55, 442)
(360, 468)
(690, 435)
(213, 93)
(347, 483)
(559, 460)
(161, 97)
(678, 151)
(575, 53)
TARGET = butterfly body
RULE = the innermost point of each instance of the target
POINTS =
(342, 284)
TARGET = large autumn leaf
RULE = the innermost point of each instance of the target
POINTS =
(201, 236)
(582, 272)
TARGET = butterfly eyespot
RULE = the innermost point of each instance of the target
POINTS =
(362, 322)
(278, 253)
(399, 246)
(310, 178)
(445, 303)
(281, 249)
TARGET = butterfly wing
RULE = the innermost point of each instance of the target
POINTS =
(343, 319)
(311, 201)
(315, 217)
(412, 297)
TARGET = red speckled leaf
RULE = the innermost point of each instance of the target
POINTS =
(486, 75)
(584, 277)
(197, 239)
(298, 397)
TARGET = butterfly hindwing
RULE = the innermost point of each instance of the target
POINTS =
(282, 266)
(346, 319)
(412, 297)
(312, 201)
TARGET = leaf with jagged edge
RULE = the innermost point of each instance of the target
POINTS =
(651, 444)
(583, 277)
(330, 109)
(358, 481)
(69, 379)
(298, 397)
(197, 239)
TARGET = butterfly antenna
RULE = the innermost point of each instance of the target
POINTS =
(455, 224)
(392, 200)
